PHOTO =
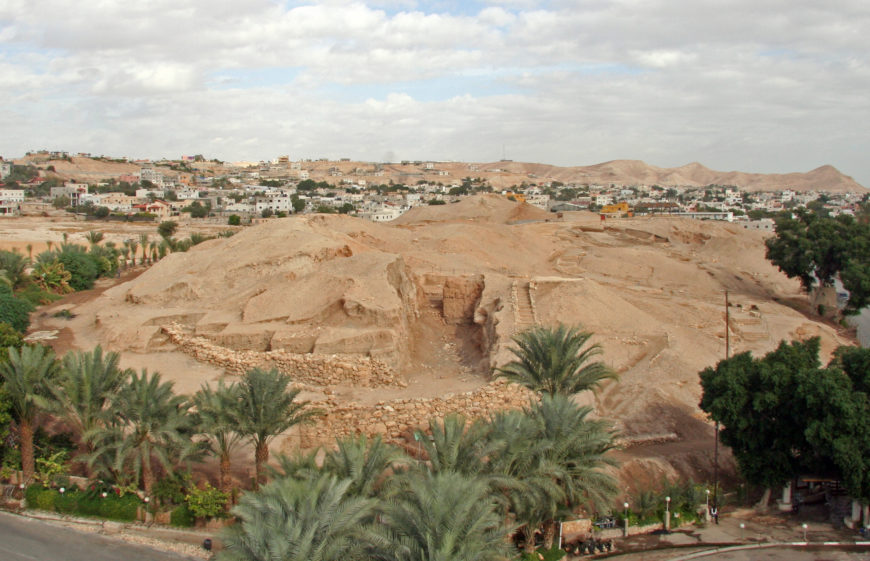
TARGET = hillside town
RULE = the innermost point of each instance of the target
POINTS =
(249, 191)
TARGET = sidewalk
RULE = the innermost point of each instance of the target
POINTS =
(757, 529)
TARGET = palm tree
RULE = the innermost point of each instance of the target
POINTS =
(269, 407)
(523, 476)
(143, 241)
(14, 264)
(442, 516)
(575, 454)
(94, 237)
(300, 520)
(218, 412)
(455, 445)
(87, 383)
(133, 245)
(152, 421)
(362, 462)
(125, 251)
(553, 360)
(28, 374)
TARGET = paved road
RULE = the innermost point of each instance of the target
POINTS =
(25, 539)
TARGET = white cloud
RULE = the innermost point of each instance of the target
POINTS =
(770, 86)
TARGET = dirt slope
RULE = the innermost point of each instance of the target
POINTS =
(439, 294)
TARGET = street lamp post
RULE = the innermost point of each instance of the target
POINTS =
(804, 526)
(742, 528)
(625, 521)
(667, 514)
(707, 509)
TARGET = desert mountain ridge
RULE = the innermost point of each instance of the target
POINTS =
(633, 172)
(501, 174)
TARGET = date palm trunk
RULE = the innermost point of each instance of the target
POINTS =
(28, 465)
(261, 456)
(226, 487)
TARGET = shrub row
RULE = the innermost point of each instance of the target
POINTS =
(84, 503)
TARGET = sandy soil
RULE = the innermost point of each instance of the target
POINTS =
(650, 289)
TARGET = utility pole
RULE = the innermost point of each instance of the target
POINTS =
(716, 445)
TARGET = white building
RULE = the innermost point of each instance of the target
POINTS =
(5, 169)
(276, 201)
(10, 201)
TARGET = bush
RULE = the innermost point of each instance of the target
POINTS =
(171, 490)
(32, 492)
(68, 502)
(234, 220)
(182, 517)
(9, 337)
(206, 503)
(123, 508)
(15, 312)
(83, 268)
(36, 296)
(546, 554)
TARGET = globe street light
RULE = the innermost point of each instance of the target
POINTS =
(625, 520)
(667, 514)
(804, 526)
(707, 511)
(742, 527)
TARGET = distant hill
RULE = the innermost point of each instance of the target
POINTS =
(501, 175)
(630, 172)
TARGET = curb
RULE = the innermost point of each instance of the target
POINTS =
(188, 536)
(748, 547)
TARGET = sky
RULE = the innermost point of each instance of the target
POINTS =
(764, 86)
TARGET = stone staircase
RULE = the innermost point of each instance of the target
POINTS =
(524, 311)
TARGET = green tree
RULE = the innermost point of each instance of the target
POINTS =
(15, 312)
(761, 421)
(456, 445)
(14, 266)
(84, 389)
(150, 421)
(269, 407)
(94, 237)
(300, 520)
(234, 220)
(442, 516)
(814, 249)
(28, 375)
(838, 427)
(361, 461)
(219, 417)
(144, 240)
(554, 360)
(575, 455)
(167, 228)
(82, 267)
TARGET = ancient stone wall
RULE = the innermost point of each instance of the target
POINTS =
(319, 370)
(395, 419)
(461, 295)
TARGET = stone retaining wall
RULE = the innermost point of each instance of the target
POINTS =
(314, 369)
(394, 420)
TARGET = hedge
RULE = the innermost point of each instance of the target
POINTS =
(182, 517)
(84, 503)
